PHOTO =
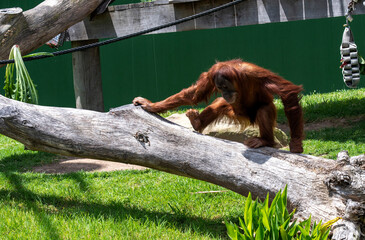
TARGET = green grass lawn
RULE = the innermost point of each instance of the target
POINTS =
(327, 142)
(145, 204)
(113, 205)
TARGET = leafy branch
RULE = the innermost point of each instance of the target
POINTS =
(22, 87)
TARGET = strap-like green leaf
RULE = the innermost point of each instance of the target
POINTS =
(22, 88)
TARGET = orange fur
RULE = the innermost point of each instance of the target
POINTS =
(254, 103)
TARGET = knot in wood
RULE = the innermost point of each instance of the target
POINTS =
(339, 179)
(142, 137)
(26, 123)
(355, 211)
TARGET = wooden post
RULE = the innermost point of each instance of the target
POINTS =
(87, 77)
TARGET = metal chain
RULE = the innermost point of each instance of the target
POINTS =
(350, 9)
(351, 6)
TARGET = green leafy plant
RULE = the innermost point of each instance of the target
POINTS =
(261, 222)
(22, 87)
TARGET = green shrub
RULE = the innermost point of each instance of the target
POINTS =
(21, 87)
(262, 222)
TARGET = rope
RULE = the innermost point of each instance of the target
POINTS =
(181, 20)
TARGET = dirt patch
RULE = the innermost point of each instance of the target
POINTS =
(84, 164)
(327, 123)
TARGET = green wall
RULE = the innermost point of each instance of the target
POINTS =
(156, 66)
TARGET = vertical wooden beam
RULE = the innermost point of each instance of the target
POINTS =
(87, 77)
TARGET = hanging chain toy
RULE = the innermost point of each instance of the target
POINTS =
(350, 60)
(349, 55)
(350, 9)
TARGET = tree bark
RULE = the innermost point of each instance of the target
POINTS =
(322, 187)
(32, 28)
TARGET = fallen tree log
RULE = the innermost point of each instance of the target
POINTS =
(32, 28)
(322, 187)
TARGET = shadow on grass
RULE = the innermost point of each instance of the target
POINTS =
(12, 166)
(334, 109)
(329, 109)
(354, 133)
(118, 211)
(29, 200)
(25, 161)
